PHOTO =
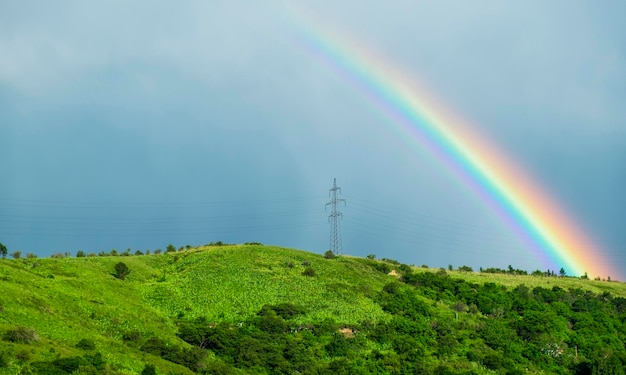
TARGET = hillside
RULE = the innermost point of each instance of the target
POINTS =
(264, 309)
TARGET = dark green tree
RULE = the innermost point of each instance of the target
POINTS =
(3, 250)
(562, 272)
(121, 270)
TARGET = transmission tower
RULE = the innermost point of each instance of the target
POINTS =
(334, 217)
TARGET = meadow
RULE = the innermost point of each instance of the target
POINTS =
(73, 315)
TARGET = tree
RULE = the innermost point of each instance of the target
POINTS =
(16, 254)
(329, 254)
(562, 272)
(3, 250)
(121, 271)
(170, 249)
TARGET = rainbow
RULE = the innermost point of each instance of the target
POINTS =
(548, 231)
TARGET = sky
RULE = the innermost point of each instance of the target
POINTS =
(140, 124)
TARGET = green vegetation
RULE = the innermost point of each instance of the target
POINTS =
(228, 309)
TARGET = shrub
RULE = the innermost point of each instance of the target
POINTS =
(133, 335)
(309, 271)
(21, 335)
(80, 254)
(148, 370)
(16, 254)
(138, 252)
(86, 344)
(371, 256)
(284, 310)
(329, 254)
(23, 356)
(381, 267)
(155, 345)
(121, 271)
(306, 263)
(31, 255)
(170, 249)
(4, 360)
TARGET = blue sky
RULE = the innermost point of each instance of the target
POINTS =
(139, 125)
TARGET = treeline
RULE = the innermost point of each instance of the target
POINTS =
(17, 254)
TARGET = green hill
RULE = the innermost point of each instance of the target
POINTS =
(264, 309)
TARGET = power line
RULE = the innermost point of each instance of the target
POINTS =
(334, 217)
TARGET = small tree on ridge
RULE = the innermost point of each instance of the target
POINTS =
(121, 270)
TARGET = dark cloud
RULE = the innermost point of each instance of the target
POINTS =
(142, 124)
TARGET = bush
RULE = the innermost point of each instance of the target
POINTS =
(86, 344)
(121, 271)
(80, 254)
(16, 254)
(284, 310)
(309, 271)
(4, 360)
(22, 335)
(329, 254)
(23, 356)
(148, 370)
(133, 335)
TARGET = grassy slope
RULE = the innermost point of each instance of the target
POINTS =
(66, 300)
(511, 281)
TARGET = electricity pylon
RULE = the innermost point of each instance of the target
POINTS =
(334, 217)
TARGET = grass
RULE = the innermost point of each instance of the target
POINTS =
(69, 299)
(511, 281)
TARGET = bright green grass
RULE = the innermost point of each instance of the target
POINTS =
(66, 300)
(511, 281)
(69, 299)
(233, 283)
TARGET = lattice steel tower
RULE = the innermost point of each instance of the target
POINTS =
(334, 217)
